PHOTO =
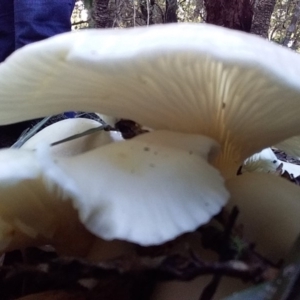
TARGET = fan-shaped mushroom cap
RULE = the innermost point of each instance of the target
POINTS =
(263, 161)
(266, 161)
(147, 190)
(35, 211)
(188, 78)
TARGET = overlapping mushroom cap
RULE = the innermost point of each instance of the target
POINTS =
(187, 78)
(237, 89)
(266, 161)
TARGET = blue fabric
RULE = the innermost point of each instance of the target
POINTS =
(36, 20)
(26, 21)
(23, 22)
(7, 29)
(70, 114)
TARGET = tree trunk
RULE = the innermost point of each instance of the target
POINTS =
(296, 43)
(234, 14)
(171, 11)
(293, 25)
(101, 14)
(199, 10)
(262, 17)
(147, 11)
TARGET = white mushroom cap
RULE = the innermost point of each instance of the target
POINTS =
(33, 209)
(69, 127)
(34, 212)
(224, 84)
(147, 190)
(269, 211)
(263, 161)
(188, 78)
(266, 161)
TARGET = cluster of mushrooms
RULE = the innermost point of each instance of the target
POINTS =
(212, 97)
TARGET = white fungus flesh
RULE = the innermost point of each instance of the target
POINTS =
(217, 82)
(269, 212)
(147, 190)
(224, 84)
(266, 161)
(35, 210)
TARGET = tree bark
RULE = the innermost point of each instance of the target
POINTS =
(171, 11)
(147, 11)
(199, 10)
(293, 25)
(262, 17)
(101, 14)
(234, 14)
(296, 43)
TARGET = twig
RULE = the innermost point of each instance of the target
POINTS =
(211, 288)
(78, 135)
(165, 268)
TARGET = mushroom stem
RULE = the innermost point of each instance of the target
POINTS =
(269, 211)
